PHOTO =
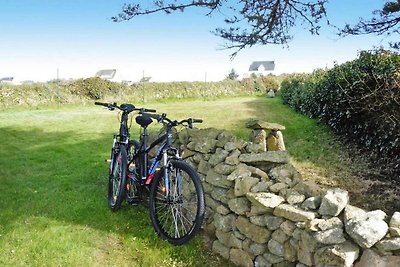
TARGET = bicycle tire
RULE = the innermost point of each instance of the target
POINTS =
(182, 208)
(117, 179)
(132, 183)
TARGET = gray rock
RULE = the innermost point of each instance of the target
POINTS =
(295, 198)
(258, 124)
(272, 258)
(285, 174)
(224, 169)
(353, 212)
(239, 206)
(330, 237)
(366, 231)
(257, 249)
(333, 202)
(218, 179)
(241, 172)
(220, 249)
(225, 137)
(377, 214)
(293, 213)
(203, 167)
(197, 157)
(275, 247)
(288, 227)
(220, 194)
(223, 237)
(224, 223)
(337, 255)
(255, 148)
(241, 258)
(273, 222)
(260, 261)
(308, 188)
(311, 203)
(254, 232)
(233, 158)
(278, 187)
(289, 252)
(221, 209)
(218, 157)
(280, 236)
(230, 146)
(235, 242)
(324, 224)
(331, 223)
(389, 244)
(268, 200)
(243, 185)
(205, 146)
(265, 157)
(259, 210)
(395, 220)
(261, 187)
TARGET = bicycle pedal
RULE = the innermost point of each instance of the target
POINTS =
(134, 201)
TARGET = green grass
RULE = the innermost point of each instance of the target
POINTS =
(53, 206)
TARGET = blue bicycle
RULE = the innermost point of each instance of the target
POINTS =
(176, 194)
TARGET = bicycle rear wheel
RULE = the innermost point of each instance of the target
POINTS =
(117, 178)
(133, 182)
(178, 215)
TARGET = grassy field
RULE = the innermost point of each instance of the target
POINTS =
(53, 207)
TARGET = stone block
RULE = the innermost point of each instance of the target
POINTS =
(344, 254)
(293, 213)
(256, 233)
(241, 258)
(333, 202)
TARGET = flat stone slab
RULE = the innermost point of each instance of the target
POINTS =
(258, 124)
(265, 157)
(268, 200)
(293, 213)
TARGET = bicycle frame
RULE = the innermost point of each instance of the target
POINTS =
(147, 174)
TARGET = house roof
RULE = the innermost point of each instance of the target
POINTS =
(262, 66)
(106, 74)
(7, 79)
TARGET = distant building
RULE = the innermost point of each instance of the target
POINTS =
(262, 66)
(27, 82)
(6, 80)
(145, 79)
(106, 74)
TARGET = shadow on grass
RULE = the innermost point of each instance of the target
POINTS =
(62, 176)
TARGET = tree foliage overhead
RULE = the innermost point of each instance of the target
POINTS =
(250, 22)
(383, 22)
(262, 22)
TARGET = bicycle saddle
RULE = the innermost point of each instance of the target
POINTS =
(128, 107)
(143, 120)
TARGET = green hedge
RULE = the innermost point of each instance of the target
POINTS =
(360, 99)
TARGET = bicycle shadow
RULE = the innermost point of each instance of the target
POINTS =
(62, 177)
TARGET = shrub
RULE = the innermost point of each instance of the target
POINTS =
(360, 99)
(94, 88)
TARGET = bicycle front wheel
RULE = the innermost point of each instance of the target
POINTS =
(117, 179)
(177, 210)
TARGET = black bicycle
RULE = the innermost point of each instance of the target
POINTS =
(176, 195)
(118, 168)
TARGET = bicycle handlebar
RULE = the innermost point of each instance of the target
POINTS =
(124, 107)
(166, 121)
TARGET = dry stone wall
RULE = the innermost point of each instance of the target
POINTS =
(259, 211)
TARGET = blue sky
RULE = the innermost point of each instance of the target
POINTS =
(78, 38)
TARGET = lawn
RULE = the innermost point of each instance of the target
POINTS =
(53, 207)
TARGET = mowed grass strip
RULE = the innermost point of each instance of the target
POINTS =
(53, 182)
